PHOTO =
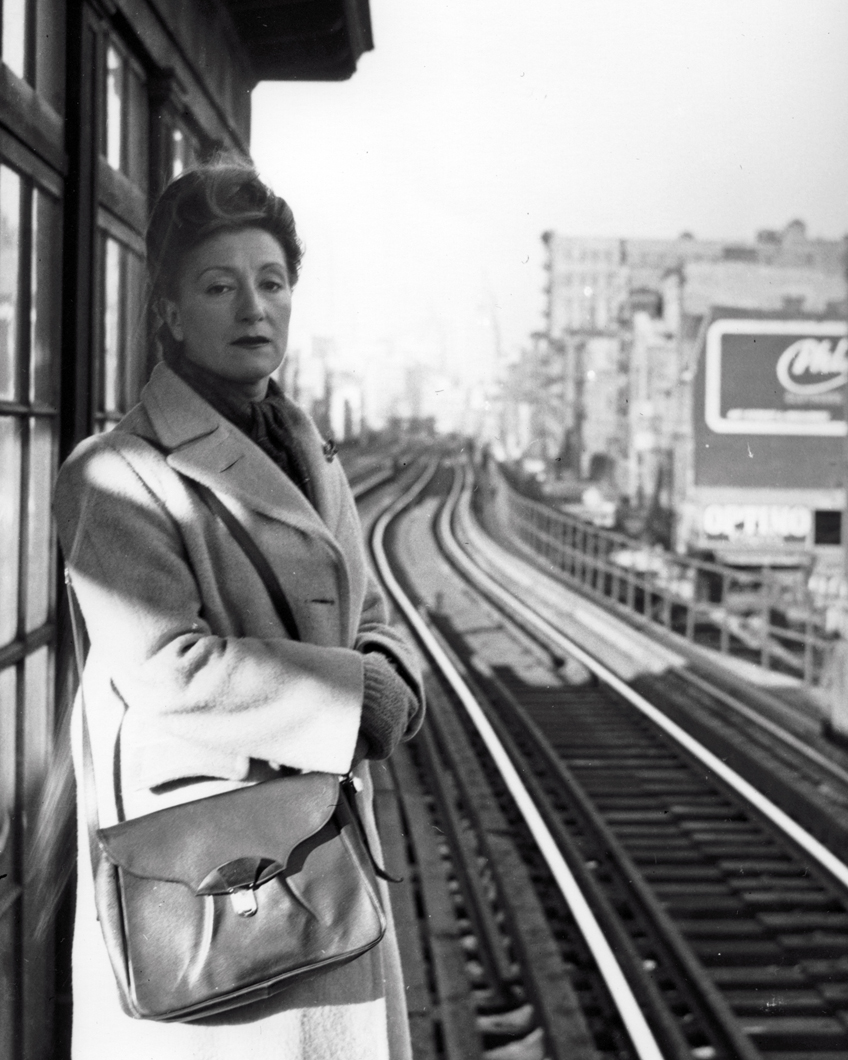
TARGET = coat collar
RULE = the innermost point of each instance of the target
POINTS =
(207, 447)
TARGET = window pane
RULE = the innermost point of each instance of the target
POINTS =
(8, 755)
(8, 713)
(114, 106)
(183, 153)
(111, 325)
(179, 149)
(8, 984)
(9, 966)
(46, 297)
(14, 35)
(10, 213)
(39, 525)
(38, 715)
(135, 368)
(138, 137)
(10, 513)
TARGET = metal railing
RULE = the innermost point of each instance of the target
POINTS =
(763, 616)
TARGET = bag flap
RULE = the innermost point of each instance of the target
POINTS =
(259, 825)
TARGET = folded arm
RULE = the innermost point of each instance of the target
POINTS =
(245, 696)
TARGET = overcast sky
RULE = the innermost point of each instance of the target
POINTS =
(422, 185)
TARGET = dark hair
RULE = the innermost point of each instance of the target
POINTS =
(222, 195)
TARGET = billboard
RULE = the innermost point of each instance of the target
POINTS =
(768, 406)
(784, 377)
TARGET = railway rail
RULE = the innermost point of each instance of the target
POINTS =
(587, 879)
(765, 616)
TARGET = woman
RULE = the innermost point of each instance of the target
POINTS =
(189, 662)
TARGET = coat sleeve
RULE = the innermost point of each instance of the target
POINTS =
(224, 699)
(375, 633)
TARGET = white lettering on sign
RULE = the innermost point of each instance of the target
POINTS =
(737, 522)
(823, 362)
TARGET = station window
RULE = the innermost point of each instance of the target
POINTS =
(121, 361)
(183, 151)
(14, 33)
(10, 232)
(827, 528)
(123, 135)
(29, 295)
(30, 232)
(115, 93)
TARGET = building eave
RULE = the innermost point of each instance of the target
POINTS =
(302, 40)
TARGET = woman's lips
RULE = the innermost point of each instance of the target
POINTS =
(250, 341)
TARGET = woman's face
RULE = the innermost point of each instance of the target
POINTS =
(232, 306)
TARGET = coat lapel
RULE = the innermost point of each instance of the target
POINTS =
(204, 446)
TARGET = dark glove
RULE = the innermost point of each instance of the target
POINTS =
(387, 707)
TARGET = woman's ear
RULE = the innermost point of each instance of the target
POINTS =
(170, 313)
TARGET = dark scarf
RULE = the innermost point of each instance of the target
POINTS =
(265, 422)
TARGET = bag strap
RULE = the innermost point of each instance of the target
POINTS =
(251, 550)
(248, 546)
(351, 786)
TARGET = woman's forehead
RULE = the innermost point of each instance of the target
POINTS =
(239, 243)
(251, 248)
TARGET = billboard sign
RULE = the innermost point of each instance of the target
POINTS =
(756, 524)
(784, 377)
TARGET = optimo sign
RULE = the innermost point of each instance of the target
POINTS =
(757, 523)
(776, 376)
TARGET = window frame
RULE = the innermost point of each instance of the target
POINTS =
(35, 629)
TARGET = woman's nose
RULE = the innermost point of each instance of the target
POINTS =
(250, 305)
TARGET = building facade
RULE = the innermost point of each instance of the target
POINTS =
(789, 458)
(620, 316)
(101, 102)
(591, 279)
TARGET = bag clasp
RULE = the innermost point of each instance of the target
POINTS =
(244, 901)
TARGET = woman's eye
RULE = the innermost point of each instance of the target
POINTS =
(217, 288)
(273, 285)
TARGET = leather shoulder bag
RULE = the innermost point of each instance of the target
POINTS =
(223, 901)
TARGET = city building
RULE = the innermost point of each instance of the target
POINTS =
(781, 449)
(591, 279)
(621, 315)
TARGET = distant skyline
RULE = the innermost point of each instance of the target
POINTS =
(421, 186)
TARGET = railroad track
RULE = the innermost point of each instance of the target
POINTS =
(611, 888)
(774, 737)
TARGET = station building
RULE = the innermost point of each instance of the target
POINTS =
(101, 103)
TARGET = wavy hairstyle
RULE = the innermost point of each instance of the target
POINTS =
(225, 194)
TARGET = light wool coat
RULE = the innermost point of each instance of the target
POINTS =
(190, 664)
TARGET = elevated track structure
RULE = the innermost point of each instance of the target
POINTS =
(587, 875)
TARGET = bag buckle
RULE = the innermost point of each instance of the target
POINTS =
(244, 901)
